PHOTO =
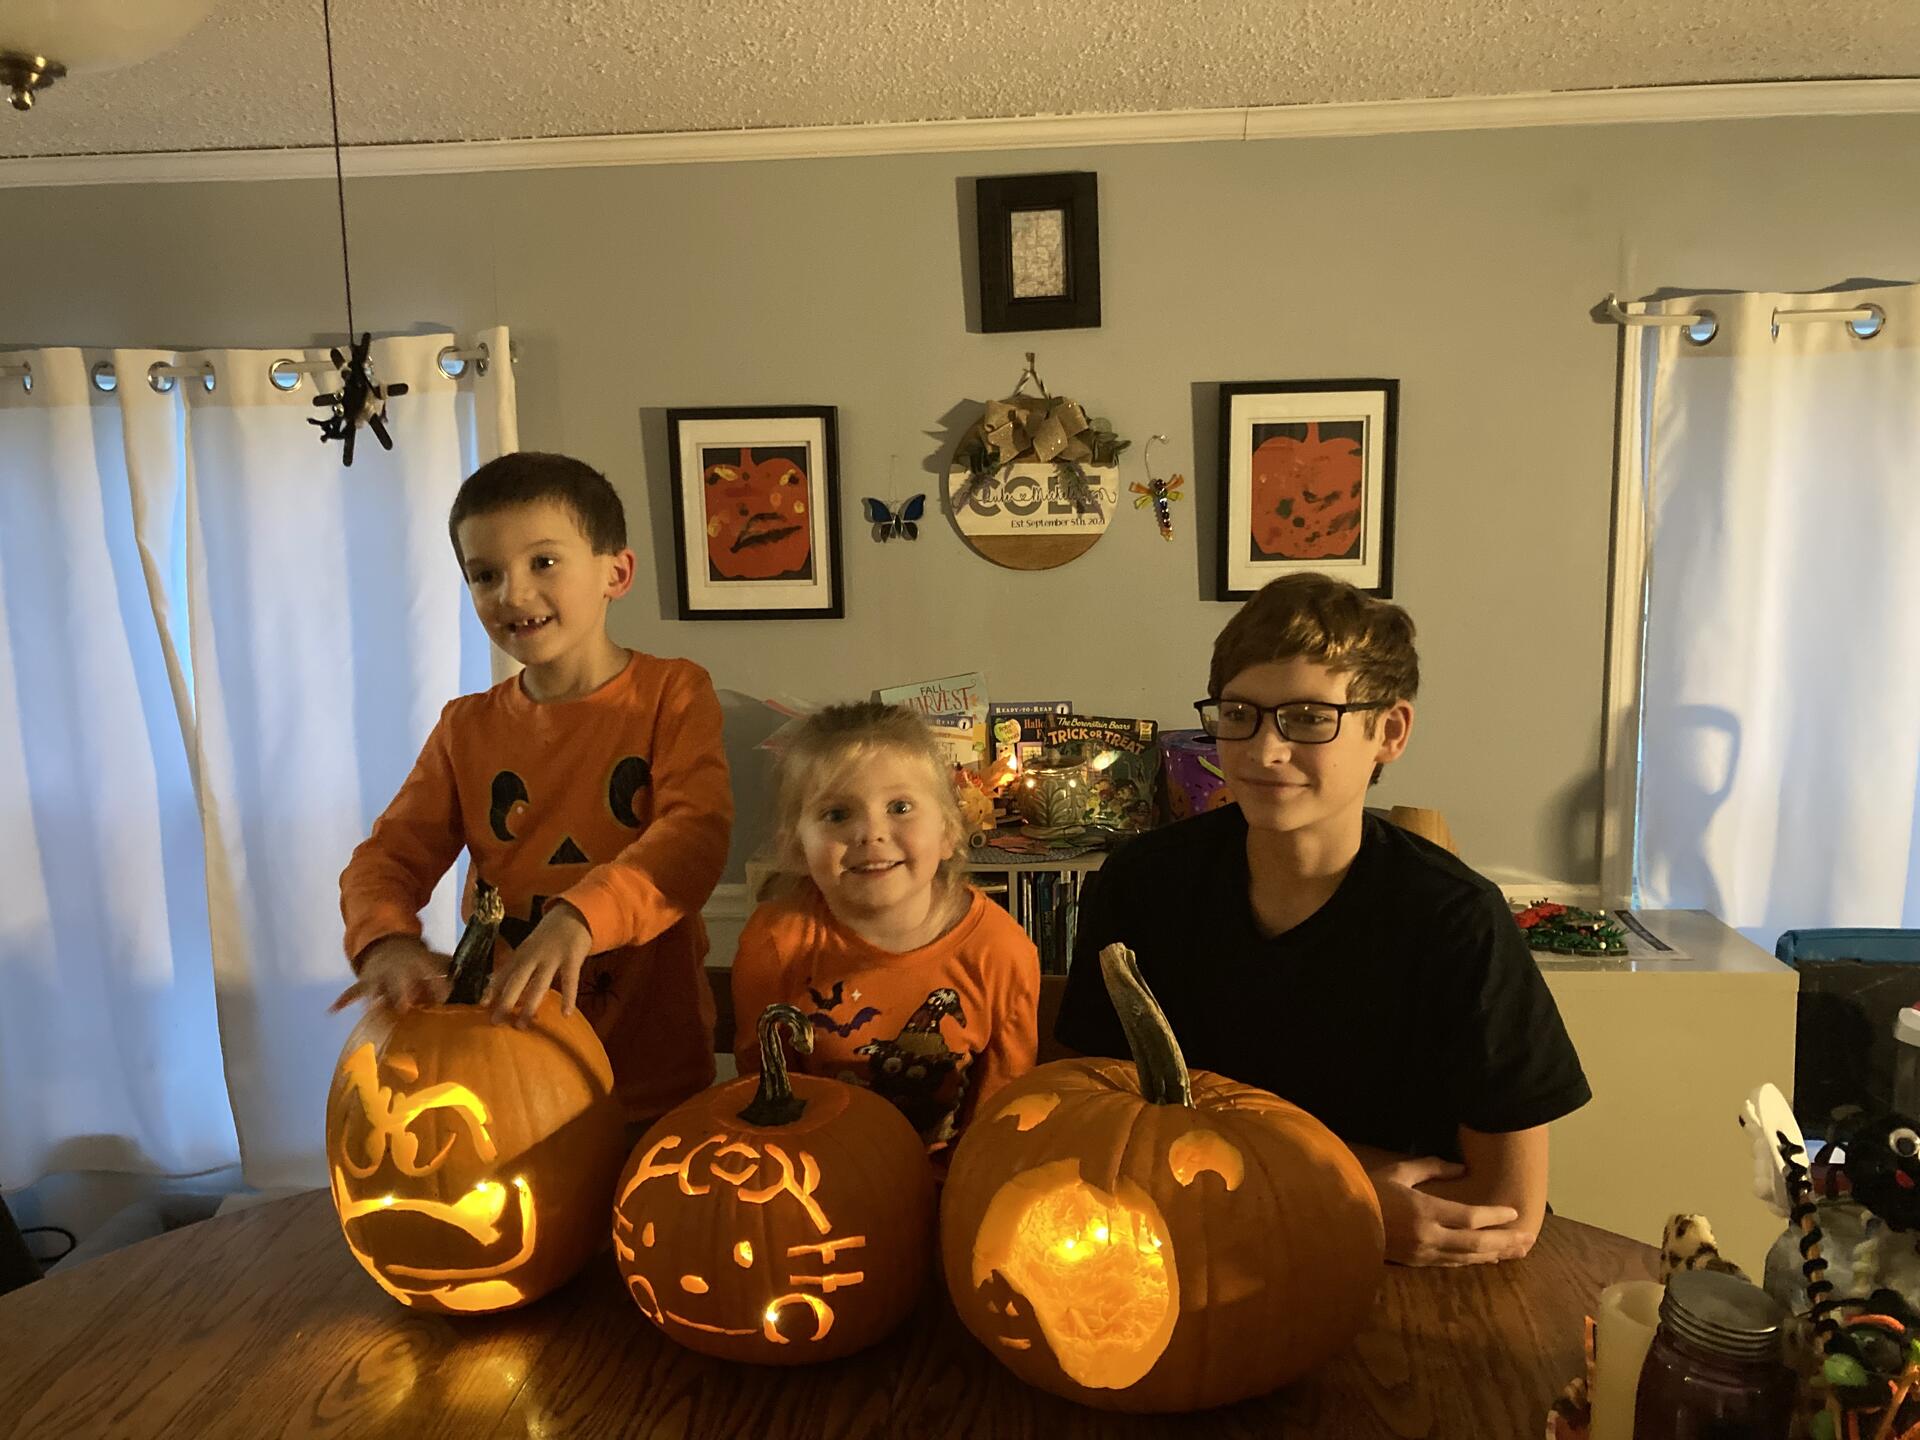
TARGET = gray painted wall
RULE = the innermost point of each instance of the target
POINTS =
(1466, 265)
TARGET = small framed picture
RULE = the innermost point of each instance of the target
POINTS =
(1306, 471)
(756, 512)
(1039, 251)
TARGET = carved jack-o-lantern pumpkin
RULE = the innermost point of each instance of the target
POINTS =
(471, 1162)
(1136, 1238)
(757, 520)
(781, 1220)
(1306, 496)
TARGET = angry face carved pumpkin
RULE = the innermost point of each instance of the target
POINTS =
(470, 1162)
(781, 1220)
(1135, 1238)
(1306, 496)
(757, 521)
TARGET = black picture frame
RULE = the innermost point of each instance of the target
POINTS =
(806, 439)
(1365, 414)
(998, 200)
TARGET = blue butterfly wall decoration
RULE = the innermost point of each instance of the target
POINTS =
(904, 522)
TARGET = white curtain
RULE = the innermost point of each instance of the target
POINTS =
(219, 653)
(1780, 739)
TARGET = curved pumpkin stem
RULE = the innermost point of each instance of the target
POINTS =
(774, 1103)
(472, 965)
(1156, 1054)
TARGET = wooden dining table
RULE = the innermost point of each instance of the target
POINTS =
(259, 1323)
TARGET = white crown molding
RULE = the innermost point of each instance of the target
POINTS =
(1666, 104)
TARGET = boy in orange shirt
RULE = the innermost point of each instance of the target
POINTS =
(916, 984)
(591, 789)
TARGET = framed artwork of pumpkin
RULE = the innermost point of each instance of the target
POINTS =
(756, 512)
(1306, 473)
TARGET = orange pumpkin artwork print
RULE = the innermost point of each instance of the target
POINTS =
(757, 513)
(1308, 483)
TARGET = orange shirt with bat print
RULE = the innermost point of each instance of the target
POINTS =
(935, 1031)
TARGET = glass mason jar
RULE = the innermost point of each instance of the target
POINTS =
(1714, 1370)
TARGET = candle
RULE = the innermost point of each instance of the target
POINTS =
(1629, 1314)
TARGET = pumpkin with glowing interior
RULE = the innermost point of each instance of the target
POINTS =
(470, 1163)
(782, 1219)
(1137, 1238)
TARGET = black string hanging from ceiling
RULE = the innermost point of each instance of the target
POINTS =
(361, 400)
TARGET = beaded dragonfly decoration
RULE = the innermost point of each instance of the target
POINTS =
(1158, 493)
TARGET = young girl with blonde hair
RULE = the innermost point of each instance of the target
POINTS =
(916, 984)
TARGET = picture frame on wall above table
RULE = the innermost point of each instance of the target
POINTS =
(756, 512)
(1306, 472)
(1039, 251)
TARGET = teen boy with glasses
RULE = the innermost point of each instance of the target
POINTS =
(1301, 945)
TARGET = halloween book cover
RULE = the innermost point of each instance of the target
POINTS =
(1125, 760)
(1019, 723)
(953, 703)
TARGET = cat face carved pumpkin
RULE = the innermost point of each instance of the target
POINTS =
(781, 1233)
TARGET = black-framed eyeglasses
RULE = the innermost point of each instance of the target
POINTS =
(1298, 722)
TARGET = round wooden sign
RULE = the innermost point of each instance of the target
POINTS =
(1033, 516)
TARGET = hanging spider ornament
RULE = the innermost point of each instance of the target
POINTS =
(360, 400)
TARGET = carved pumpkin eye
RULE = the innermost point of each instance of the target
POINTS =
(1030, 1109)
(743, 1254)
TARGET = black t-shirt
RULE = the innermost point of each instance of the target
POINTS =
(1404, 1007)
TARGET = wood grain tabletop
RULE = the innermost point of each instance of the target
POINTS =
(260, 1323)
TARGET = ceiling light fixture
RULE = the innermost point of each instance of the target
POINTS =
(42, 41)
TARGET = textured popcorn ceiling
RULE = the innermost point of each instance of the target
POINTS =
(440, 70)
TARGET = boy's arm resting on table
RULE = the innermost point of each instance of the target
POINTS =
(670, 869)
(1486, 1209)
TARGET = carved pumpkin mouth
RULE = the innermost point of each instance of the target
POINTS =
(373, 1224)
(1093, 1268)
(763, 527)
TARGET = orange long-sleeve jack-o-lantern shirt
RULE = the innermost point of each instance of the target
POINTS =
(936, 1031)
(617, 803)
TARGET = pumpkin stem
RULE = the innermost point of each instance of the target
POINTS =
(774, 1103)
(1156, 1054)
(472, 965)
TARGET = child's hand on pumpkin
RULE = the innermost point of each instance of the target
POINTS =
(398, 972)
(1424, 1229)
(554, 952)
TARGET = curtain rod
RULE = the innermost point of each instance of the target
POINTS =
(1866, 321)
(284, 374)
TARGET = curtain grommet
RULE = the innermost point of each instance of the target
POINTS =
(284, 376)
(159, 379)
(103, 378)
(452, 361)
(1705, 326)
(1870, 325)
